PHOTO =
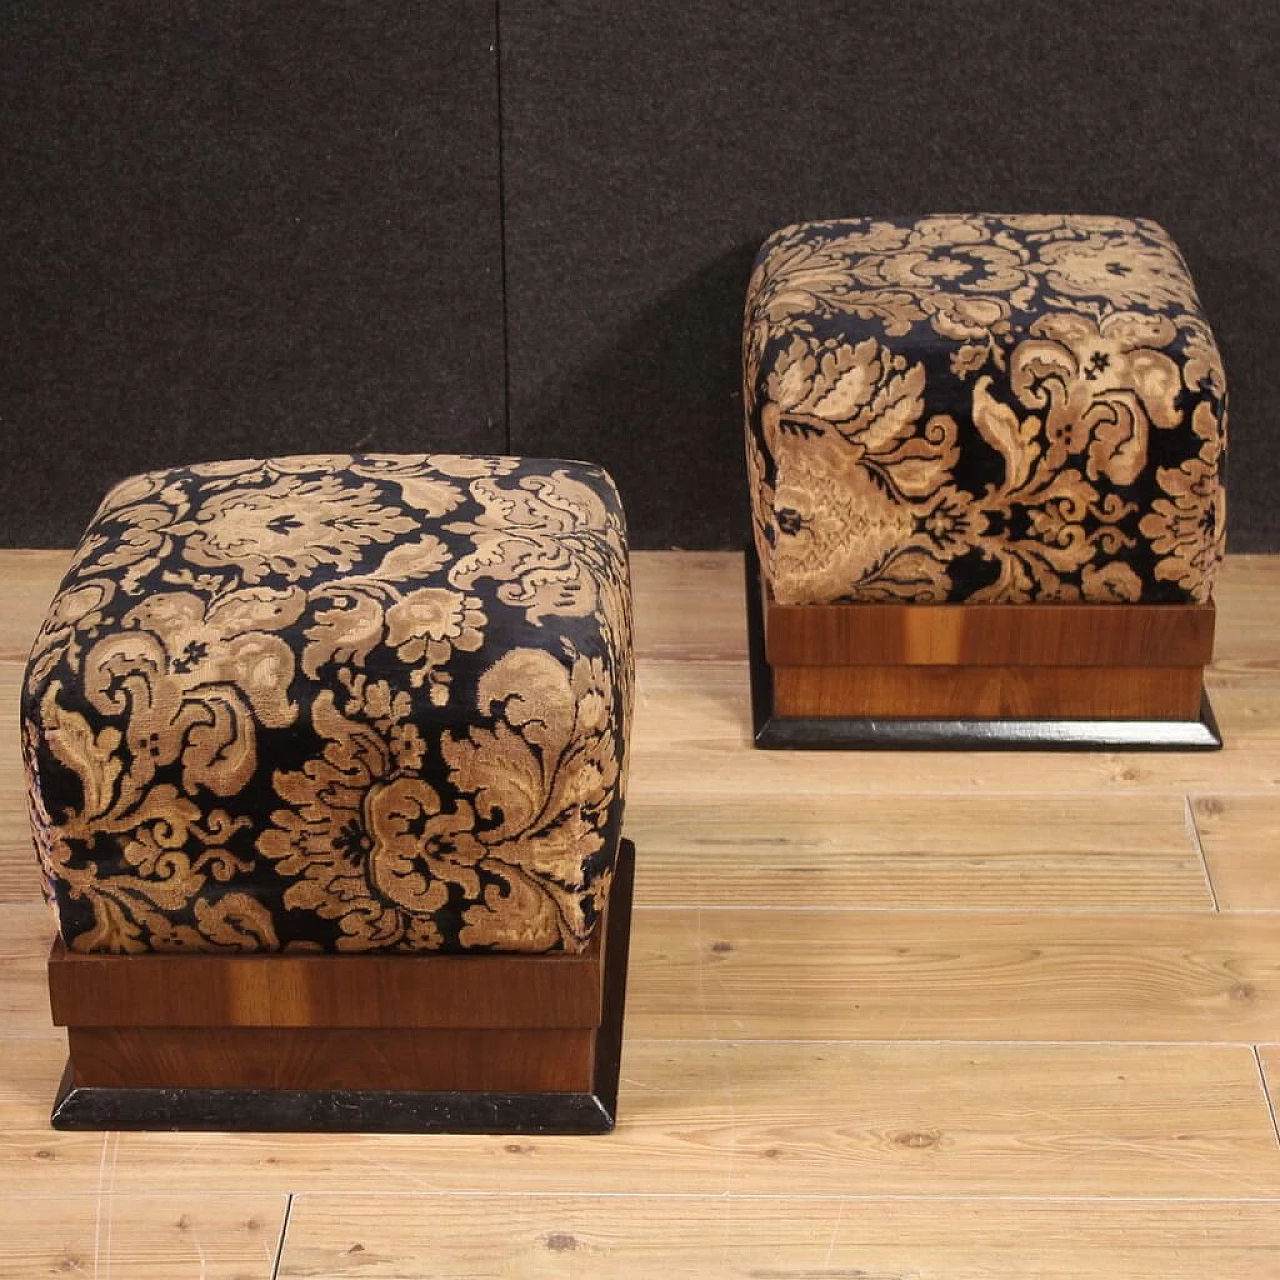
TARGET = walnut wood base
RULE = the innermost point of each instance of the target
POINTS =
(281, 1057)
(912, 684)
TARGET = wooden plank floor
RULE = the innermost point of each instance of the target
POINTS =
(895, 1017)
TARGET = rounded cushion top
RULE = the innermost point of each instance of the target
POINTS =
(358, 703)
(998, 408)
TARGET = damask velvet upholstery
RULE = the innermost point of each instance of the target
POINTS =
(369, 703)
(996, 408)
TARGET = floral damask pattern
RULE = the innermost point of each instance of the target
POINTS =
(343, 703)
(988, 408)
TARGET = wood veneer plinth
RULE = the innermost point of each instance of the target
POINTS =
(474, 1043)
(990, 692)
(988, 635)
(964, 677)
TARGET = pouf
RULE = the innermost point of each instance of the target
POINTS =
(985, 457)
(327, 760)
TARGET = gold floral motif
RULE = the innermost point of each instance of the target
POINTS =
(1202, 362)
(342, 841)
(291, 528)
(190, 686)
(1126, 270)
(844, 498)
(801, 276)
(191, 689)
(942, 267)
(965, 408)
(1113, 581)
(840, 526)
(549, 542)
(363, 703)
(1100, 388)
(372, 845)
(73, 620)
(1188, 527)
(427, 627)
(548, 770)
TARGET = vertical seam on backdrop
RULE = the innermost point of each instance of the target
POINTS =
(502, 228)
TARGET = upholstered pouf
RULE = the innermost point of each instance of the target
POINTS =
(985, 458)
(326, 760)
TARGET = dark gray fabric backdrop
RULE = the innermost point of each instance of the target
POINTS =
(256, 227)
(243, 227)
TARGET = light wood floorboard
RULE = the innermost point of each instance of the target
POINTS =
(929, 976)
(28, 580)
(494, 1238)
(756, 1118)
(26, 932)
(1241, 840)
(19, 877)
(693, 607)
(167, 1237)
(901, 852)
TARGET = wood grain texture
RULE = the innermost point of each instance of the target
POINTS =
(30, 579)
(421, 1237)
(690, 609)
(690, 606)
(19, 876)
(756, 1118)
(1068, 900)
(180, 1236)
(1073, 693)
(1246, 593)
(898, 975)
(988, 635)
(326, 990)
(965, 974)
(26, 931)
(1028, 852)
(19, 871)
(1250, 703)
(692, 737)
(499, 1061)
(1241, 840)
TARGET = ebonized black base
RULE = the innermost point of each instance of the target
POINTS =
(385, 1110)
(819, 733)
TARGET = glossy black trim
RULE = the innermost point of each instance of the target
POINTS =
(833, 733)
(385, 1110)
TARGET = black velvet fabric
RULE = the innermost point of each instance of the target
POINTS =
(362, 703)
(994, 408)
